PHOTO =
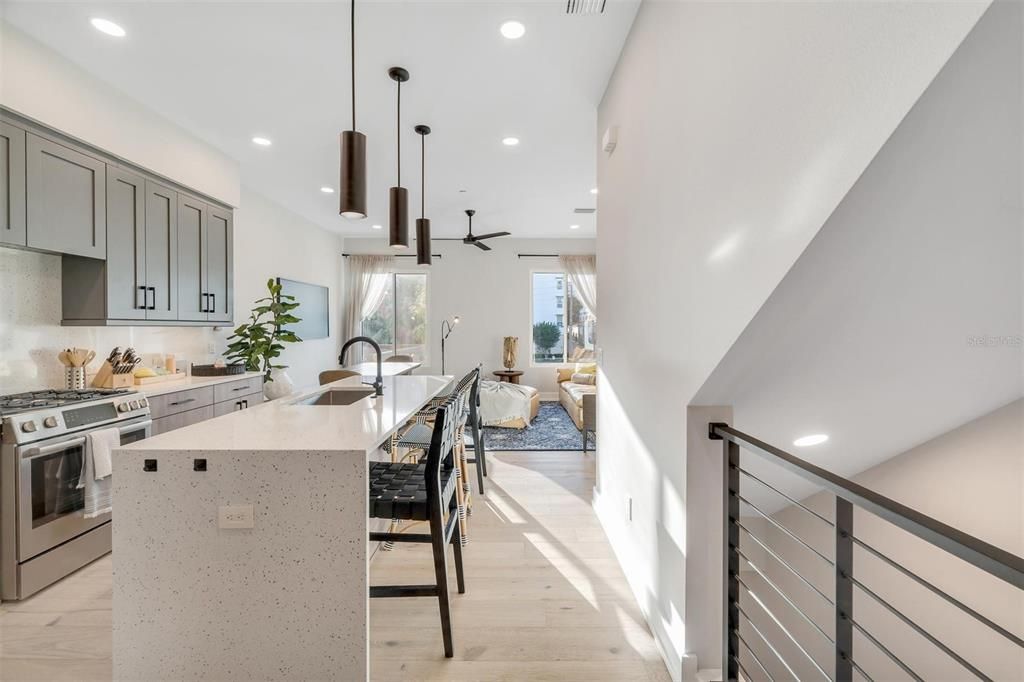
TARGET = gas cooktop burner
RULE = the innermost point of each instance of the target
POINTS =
(33, 400)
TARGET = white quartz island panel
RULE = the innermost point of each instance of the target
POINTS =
(285, 599)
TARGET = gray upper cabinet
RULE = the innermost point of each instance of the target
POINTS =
(219, 265)
(12, 185)
(66, 199)
(193, 217)
(161, 252)
(135, 249)
(127, 295)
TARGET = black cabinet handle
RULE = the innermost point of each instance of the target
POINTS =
(246, 402)
(153, 306)
(238, 404)
(183, 402)
(213, 303)
(204, 306)
(143, 306)
(241, 388)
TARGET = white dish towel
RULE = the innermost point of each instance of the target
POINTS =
(97, 466)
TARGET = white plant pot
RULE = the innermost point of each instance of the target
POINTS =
(281, 385)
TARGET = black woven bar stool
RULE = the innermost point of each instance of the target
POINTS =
(424, 492)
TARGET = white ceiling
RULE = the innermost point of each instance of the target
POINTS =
(229, 71)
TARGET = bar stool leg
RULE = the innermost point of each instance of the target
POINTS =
(441, 576)
(457, 547)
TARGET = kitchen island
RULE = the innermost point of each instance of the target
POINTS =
(240, 543)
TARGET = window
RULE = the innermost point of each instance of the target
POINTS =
(563, 330)
(399, 324)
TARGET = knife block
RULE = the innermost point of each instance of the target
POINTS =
(105, 378)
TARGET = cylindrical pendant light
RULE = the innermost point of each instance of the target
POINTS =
(398, 196)
(352, 185)
(423, 222)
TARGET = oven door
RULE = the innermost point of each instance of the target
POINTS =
(50, 504)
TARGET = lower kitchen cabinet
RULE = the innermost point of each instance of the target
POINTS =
(189, 406)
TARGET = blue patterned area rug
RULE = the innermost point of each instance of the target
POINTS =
(551, 430)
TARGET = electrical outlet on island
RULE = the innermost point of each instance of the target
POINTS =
(236, 516)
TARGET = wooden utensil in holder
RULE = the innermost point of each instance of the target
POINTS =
(106, 378)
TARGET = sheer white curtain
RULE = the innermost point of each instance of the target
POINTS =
(367, 285)
(582, 273)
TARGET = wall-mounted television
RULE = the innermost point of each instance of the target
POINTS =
(314, 308)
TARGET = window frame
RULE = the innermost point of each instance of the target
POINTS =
(393, 346)
(564, 292)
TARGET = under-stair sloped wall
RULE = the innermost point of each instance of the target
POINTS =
(741, 126)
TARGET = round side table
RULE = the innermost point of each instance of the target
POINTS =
(509, 375)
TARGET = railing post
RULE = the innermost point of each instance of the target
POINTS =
(844, 590)
(731, 566)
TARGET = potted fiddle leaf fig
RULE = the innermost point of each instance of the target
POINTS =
(258, 342)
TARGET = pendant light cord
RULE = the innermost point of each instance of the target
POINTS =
(353, 41)
(398, 131)
(423, 175)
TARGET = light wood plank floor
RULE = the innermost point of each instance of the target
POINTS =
(545, 598)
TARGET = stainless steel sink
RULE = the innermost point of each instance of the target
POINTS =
(336, 396)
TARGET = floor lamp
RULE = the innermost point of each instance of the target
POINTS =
(447, 327)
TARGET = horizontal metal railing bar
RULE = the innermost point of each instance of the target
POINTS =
(767, 643)
(782, 594)
(785, 630)
(784, 563)
(921, 631)
(948, 597)
(989, 558)
(756, 659)
(885, 650)
(793, 501)
(785, 530)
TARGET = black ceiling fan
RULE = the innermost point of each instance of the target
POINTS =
(478, 239)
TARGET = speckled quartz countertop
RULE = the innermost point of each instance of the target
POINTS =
(283, 426)
(187, 382)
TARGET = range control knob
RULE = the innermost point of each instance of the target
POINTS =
(28, 427)
(123, 407)
(134, 404)
(50, 422)
(143, 402)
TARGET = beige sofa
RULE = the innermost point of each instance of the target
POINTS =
(571, 394)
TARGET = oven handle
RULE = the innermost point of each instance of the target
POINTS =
(35, 453)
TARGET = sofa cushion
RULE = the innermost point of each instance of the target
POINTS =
(577, 391)
(581, 378)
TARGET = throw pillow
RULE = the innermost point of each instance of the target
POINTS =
(583, 378)
(589, 368)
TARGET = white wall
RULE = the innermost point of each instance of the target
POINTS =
(490, 292)
(741, 127)
(971, 478)
(41, 84)
(271, 241)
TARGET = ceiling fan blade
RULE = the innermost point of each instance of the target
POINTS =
(492, 234)
(481, 246)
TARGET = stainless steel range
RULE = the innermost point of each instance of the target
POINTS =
(44, 534)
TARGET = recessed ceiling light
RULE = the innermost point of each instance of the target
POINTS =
(510, 141)
(108, 27)
(593, 191)
(513, 30)
(261, 141)
(807, 441)
(378, 227)
(574, 227)
(327, 190)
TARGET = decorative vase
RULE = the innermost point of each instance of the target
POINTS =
(510, 351)
(279, 386)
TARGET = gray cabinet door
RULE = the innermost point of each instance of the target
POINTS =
(12, 185)
(161, 252)
(219, 265)
(193, 301)
(126, 245)
(66, 199)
